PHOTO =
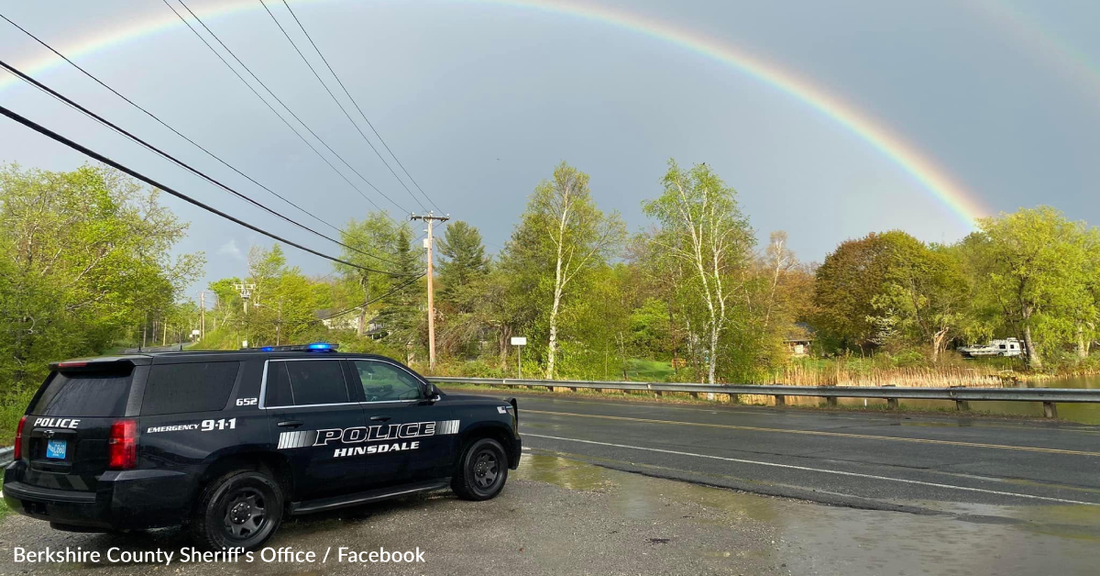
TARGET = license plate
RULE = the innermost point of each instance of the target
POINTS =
(55, 449)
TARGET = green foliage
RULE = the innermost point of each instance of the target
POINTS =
(85, 260)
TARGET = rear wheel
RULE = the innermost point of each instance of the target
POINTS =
(482, 471)
(242, 509)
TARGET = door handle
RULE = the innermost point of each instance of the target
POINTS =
(290, 424)
(379, 418)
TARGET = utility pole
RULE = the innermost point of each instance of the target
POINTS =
(202, 315)
(430, 218)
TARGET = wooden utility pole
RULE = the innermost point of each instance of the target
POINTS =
(430, 219)
(202, 315)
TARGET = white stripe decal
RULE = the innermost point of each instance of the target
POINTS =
(822, 470)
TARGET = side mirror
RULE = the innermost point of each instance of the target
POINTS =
(433, 394)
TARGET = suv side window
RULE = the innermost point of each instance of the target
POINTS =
(316, 382)
(190, 387)
(384, 382)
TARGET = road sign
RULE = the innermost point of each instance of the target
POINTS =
(519, 340)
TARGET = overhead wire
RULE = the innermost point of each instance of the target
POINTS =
(46, 89)
(173, 192)
(69, 102)
(277, 99)
(356, 103)
(341, 105)
(377, 298)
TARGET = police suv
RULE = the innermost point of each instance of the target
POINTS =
(227, 443)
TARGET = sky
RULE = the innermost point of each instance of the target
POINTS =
(831, 120)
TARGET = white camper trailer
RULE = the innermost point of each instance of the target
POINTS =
(1007, 347)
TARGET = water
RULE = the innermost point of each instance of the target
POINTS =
(1082, 413)
(806, 538)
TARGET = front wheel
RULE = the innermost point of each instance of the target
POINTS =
(482, 471)
(239, 510)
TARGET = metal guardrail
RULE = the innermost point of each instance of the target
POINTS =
(6, 455)
(892, 394)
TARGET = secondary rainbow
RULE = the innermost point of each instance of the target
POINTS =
(923, 170)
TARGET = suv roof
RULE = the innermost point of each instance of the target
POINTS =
(227, 355)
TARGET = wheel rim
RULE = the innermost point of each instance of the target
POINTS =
(245, 513)
(486, 469)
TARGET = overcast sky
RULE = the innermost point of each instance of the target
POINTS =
(481, 100)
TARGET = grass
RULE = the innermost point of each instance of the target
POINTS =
(649, 370)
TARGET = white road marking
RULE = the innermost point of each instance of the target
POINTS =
(821, 470)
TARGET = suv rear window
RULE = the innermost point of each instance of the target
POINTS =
(190, 387)
(86, 394)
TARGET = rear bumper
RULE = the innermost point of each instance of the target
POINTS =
(132, 499)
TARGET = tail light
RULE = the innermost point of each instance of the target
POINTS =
(122, 445)
(18, 453)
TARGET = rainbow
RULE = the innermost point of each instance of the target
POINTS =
(931, 177)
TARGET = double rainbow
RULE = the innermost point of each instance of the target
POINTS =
(923, 170)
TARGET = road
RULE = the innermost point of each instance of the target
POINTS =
(902, 461)
(909, 494)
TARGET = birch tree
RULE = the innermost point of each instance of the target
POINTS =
(703, 227)
(562, 236)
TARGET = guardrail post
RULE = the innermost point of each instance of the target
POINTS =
(891, 403)
(962, 405)
(694, 395)
(658, 393)
(1050, 410)
(550, 388)
(780, 400)
(830, 401)
(572, 389)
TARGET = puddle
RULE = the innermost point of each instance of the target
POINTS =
(818, 539)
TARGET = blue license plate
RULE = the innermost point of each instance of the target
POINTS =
(55, 449)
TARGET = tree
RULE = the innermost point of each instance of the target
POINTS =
(462, 262)
(85, 256)
(402, 312)
(561, 237)
(704, 229)
(375, 242)
(924, 294)
(846, 285)
(1036, 267)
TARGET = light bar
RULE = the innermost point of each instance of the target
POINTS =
(314, 347)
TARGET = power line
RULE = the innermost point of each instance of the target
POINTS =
(353, 101)
(76, 106)
(62, 98)
(101, 158)
(277, 99)
(337, 100)
(377, 298)
(276, 112)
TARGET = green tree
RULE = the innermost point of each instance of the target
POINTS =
(1036, 266)
(375, 242)
(924, 294)
(85, 257)
(703, 229)
(562, 236)
(462, 262)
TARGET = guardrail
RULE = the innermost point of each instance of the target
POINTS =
(6, 455)
(962, 396)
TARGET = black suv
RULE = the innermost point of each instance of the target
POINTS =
(226, 443)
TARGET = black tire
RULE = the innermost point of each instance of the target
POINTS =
(482, 471)
(241, 509)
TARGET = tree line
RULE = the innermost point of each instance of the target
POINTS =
(87, 268)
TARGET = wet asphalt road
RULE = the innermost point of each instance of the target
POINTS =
(903, 461)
